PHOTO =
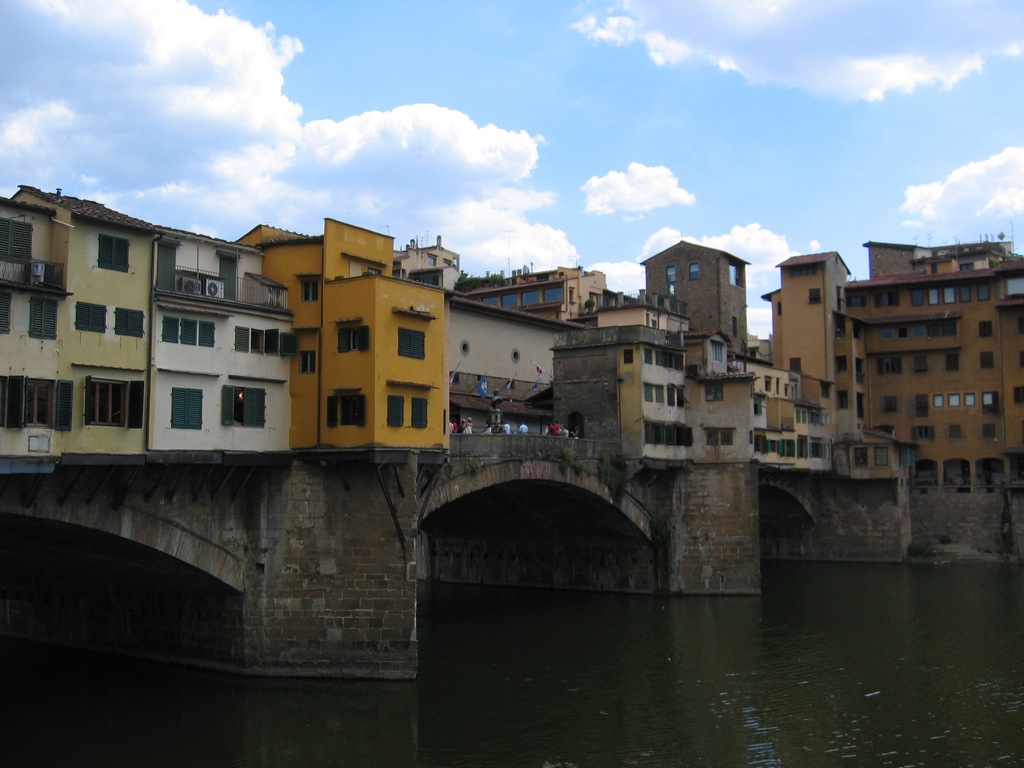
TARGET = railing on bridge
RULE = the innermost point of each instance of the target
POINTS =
(516, 446)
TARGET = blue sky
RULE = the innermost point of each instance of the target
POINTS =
(528, 132)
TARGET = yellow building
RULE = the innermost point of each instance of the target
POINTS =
(102, 330)
(562, 293)
(371, 370)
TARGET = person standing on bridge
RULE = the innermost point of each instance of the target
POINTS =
(523, 429)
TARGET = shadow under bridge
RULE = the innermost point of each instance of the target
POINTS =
(539, 512)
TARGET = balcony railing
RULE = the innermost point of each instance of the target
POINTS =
(34, 272)
(212, 287)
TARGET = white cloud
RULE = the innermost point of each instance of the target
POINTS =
(625, 276)
(839, 48)
(641, 188)
(977, 198)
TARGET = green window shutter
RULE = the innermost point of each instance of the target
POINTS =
(90, 317)
(344, 339)
(64, 405)
(255, 407)
(289, 344)
(136, 404)
(419, 412)
(5, 237)
(359, 417)
(106, 253)
(5, 313)
(42, 319)
(396, 410)
(16, 386)
(90, 400)
(128, 322)
(195, 409)
(206, 333)
(332, 410)
(241, 339)
(165, 266)
(227, 406)
(271, 341)
(21, 240)
(189, 334)
(410, 343)
(120, 254)
(179, 407)
(186, 408)
(170, 330)
(363, 338)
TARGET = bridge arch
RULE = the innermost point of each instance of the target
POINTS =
(786, 523)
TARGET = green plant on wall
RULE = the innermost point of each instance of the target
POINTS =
(659, 530)
(612, 470)
(570, 462)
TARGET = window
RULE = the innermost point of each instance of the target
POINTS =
(814, 296)
(924, 432)
(38, 400)
(186, 408)
(965, 293)
(354, 339)
(938, 401)
(984, 328)
(949, 294)
(648, 356)
(890, 403)
(553, 294)
(881, 456)
(114, 403)
(920, 363)
(860, 456)
(887, 299)
(16, 239)
(841, 364)
(353, 410)
(670, 279)
(627, 357)
(718, 436)
(986, 360)
(988, 431)
(113, 253)
(256, 339)
(736, 274)
(842, 399)
(694, 268)
(920, 405)
(396, 410)
(648, 393)
(917, 297)
(990, 402)
(953, 399)
(984, 293)
(887, 334)
(128, 322)
(90, 317)
(510, 300)
(183, 330)
(419, 412)
(952, 361)
(411, 343)
(888, 365)
(42, 318)
(713, 391)
(307, 361)
(531, 297)
(955, 432)
(243, 406)
(794, 363)
(717, 352)
(933, 295)
(5, 313)
(969, 399)
(1018, 395)
(857, 300)
(310, 290)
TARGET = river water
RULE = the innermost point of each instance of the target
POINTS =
(831, 665)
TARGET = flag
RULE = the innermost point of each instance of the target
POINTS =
(481, 386)
(535, 387)
(451, 378)
(508, 384)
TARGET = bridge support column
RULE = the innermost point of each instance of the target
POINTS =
(712, 543)
(332, 590)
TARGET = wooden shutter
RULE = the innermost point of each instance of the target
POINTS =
(344, 339)
(165, 266)
(188, 332)
(16, 386)
(206, 333)
(332, 410)
(136, 404)
(5, 313)
(194, 413)
(419, 412)
(396, 410)
(241, 339)
(363, 338)
(64, 401)
(289, 344)
(227, 406)
(170, 330)
(255, 406)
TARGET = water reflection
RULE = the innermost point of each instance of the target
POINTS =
(879, 665)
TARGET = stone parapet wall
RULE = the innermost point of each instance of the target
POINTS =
(974, 517)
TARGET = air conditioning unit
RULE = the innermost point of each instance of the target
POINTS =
(214, 288)
(38, 270)
(192, 285)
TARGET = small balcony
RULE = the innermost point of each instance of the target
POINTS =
(251, 289)
(47, 274)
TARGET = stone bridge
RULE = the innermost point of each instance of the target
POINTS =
(306, 564)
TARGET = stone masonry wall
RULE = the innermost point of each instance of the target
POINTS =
(974, 518)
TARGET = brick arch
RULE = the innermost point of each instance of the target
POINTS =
(462, 477)
(798, 487)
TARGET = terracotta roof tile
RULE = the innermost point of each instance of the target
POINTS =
(88, 209)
